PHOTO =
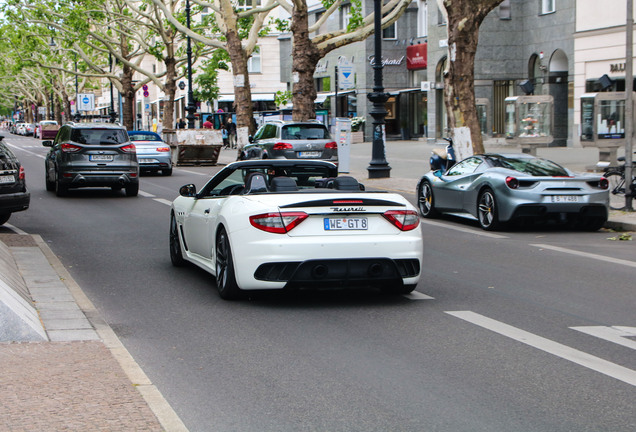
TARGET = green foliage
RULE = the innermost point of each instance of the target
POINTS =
(282, 98)
(207, 79)
(357, 123)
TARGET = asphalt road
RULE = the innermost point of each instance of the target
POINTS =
(509, 331)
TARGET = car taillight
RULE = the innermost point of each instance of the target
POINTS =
(603, 183)
(278, 223)
(282, 146)
(512, 182)
(70, 148)
(331, 145)
(130, 148)
(404, 220)
(22, 173)
(163, 149)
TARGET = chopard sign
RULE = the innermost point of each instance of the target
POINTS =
(386, 61)
(347, 209)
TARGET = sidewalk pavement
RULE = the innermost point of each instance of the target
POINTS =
(78, 375)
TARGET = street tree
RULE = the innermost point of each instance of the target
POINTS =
(463, 20)
(307, 50)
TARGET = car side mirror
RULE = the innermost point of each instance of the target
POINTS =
(47, 143)
(250, 138)
(1, 137)
(439, 173)
(188, 190)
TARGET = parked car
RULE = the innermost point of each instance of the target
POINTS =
(498, 188)
(14, 196)
(21, 128)
(153, 154)
(91, 155)
(47, 129)
(13, 128)
(29, 128)
(293, 224)
(279, 139)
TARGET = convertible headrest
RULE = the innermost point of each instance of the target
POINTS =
(283, 184)
(346, 183)
(255, 182)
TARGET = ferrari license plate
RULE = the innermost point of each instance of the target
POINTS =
(564, 198)
(346, 223)
(101, 158)
(7, 179)
(309, 154)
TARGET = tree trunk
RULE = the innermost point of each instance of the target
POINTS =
(242, 91)
(464, 19)
(305, 57)
(170, 88)
(129, 98)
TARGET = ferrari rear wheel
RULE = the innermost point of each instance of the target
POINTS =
(425, 200)
(487, 210)
(225, 277)
(176, 256)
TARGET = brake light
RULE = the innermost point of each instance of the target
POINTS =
(21, 175)
(130, 148)
(603, 183)
(70, 148)
(331, 145)
(278, 223)
(512, 182)
(163, 149)
(282, 146)
(404, 220)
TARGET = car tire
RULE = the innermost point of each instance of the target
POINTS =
(50, 185)
(176, 256)
(132, 189)
(225, 276)
(60, 189)
(487, 211)
(425, 200)
(4, 217)
(166, 172)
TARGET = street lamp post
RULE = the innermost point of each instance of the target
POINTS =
(191, 108)
(111, 109)
(378, 167)
(78, 116)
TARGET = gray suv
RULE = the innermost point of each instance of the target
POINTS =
(14, 196)
(279, 139)
(91, 155)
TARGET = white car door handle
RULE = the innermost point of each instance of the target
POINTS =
(206, 211)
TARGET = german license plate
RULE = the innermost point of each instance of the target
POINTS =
(346, 223)
(100, 158)
(147, 161)
(7, 179)
(309, 154)
(564, 198)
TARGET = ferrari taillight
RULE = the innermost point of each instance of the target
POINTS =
(278, 223)
(603, 183)
(282, 146)
(512, 182)
(404, 220)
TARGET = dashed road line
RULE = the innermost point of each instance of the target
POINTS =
(415, 295)
(163, 201)
(616, 334)
(463, 229)
(563, 351)
(587, 255)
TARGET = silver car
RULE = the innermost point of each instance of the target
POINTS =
(498, 188)
(152, 152)
(279, 139)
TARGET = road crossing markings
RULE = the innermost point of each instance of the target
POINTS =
(466, 230)
(616, 334)
(414, 295)
(26, 151)
(579, 357)
(587, 255)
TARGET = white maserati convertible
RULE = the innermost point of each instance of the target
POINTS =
(293, 224)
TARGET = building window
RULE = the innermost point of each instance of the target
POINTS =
(441, 16)
(247, 4)
(389, 32)
(254, 63)
(422, 19)
(504, 10)
(323, 28)
(548, 6)
(345, 16)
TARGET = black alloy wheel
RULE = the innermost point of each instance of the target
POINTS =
(225, 277)
(176, 256)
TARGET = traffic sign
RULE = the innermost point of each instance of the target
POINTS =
(346, 75)
(86, 102)
(146, 94)
(145, 87)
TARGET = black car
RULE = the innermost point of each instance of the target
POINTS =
(14, 195)
(91, 155)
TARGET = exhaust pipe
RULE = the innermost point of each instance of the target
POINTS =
(320, 271)
(375, 270)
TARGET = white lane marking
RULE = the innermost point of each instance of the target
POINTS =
(163, 201)
(26, 151)
(194, 172)
(587, 255)
(466, 230)
(146, 194)
(16, 229)
(414, 295)
(579, 357)
(615, 334)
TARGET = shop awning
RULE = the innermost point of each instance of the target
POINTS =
(406, 90)
(321, 97)
(256, 97)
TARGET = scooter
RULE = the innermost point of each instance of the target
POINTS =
(443, 159)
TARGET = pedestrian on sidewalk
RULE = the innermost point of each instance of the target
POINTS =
(231, 131)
